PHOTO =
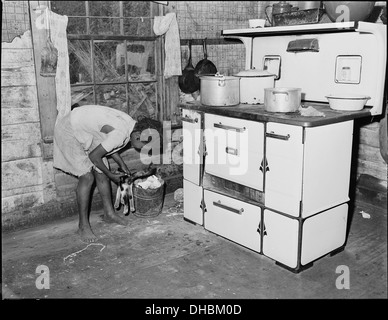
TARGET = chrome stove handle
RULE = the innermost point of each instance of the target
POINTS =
(225, 127)
(219, 204)
(190, 120)
(232, 151)
(277, 136)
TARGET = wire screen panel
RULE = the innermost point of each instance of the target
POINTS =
(15, 19)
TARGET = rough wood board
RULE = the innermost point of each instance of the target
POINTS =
(21, 191)
(16, 58)
(45, 85)
(18, 115)
(24, 131)
(19, 76)
(20, 149)
(372, 169)
(370, 137)
(370, 154)
(21, 173)
(19, 97)
(369, 182)
(26, 200)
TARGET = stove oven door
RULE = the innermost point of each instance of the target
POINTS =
(233, 219)
(192, 165)
(234, 150)
(192, 146)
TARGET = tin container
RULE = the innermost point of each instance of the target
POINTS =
(282, 99)
(220, 90)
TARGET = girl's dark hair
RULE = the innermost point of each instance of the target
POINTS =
(144, 123)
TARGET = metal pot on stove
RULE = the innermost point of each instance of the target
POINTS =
(282, 99)
(219, 90)
(252, 85)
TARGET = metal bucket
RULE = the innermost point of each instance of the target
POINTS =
(148, 202)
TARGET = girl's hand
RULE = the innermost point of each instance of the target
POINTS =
(125, 170)
(116, 177)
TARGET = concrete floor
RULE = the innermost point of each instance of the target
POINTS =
(167, 257)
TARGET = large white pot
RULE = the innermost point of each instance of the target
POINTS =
(252, 85)
(219, 90)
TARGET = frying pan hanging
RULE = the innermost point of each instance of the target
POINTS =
(188, 82)
(205, 66)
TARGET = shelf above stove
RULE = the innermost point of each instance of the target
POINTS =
(350, 26)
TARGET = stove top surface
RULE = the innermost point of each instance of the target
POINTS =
(257, 113)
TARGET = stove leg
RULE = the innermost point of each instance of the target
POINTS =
(334, 252)
(295, 270)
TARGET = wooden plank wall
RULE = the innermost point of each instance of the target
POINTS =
(371, 171)
(27, 181)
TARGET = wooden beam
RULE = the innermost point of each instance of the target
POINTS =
(46, 89)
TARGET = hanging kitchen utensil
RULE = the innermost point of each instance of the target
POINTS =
(49, 54)
(205, 67)
(188, 82)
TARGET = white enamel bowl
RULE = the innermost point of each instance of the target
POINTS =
(347, 102)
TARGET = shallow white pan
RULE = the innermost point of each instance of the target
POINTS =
(347, 102)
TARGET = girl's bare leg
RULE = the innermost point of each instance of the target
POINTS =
(84, 191)
(104, 187)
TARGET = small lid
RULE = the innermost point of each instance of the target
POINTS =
(217, 77)
(254, 73)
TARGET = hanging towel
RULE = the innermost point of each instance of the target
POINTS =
(58, 25)
(168, 25)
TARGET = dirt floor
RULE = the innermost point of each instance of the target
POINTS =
(167, 257)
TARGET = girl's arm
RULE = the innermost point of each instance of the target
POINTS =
(117, 158)
(96, 157)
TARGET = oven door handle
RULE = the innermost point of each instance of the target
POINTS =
(190, 120)
(232, 151)
(225, 127)
(277, 136)
(219, 204)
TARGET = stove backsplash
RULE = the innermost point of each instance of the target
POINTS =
(327, 63)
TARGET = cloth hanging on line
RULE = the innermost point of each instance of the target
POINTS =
(168, 25)
(58, 25)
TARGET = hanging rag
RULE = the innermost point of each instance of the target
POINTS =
(168, 25)
(58, 25)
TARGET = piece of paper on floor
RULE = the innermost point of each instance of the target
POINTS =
(365, 215)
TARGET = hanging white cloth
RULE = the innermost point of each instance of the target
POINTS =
(168, 25)
(58, 24)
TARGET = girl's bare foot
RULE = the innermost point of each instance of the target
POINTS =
(86, 234)
(114, 218)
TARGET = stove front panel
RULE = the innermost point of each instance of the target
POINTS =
(235, 150)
